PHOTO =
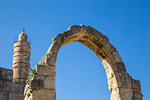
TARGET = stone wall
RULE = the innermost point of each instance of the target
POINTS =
(42, 85)
(9, 90)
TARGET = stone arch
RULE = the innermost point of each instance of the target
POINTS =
(120, 83)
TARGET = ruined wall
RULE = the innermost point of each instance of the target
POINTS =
(42, 83)
(122, 86)
(9, 90)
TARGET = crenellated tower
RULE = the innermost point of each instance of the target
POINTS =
(21, 59)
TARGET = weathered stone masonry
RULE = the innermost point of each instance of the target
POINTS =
(21, 59)
(42, 85)
(120, 83)
(9, 90)
(12, 83)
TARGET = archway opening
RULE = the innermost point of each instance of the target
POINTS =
(80, 74)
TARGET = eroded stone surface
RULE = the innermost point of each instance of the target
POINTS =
(21, 59)
(8, 89)
(44, 94)
(120, 83)
(42, 85)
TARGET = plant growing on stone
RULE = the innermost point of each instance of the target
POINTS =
(43, 63)
(52, 40)
(32, 73)
(112, 75)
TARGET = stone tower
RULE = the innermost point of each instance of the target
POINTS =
(21, 59)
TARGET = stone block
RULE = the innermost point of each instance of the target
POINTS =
(94, 32)
(58, 36)
(117, 56)
(18, 59)
(24, 72)
(123, 80)
(110, 60)
(17, 44)
(3, 74)
(119, 67)
(23, 80)
(21, 65)
(16, 73)
(111, 47)
(136, 85)
(16, 88)
(105, 39)
(125, 93)
(137, 96)
(9, 75)
(20, 72)
(21, 54)
(36, 84)
(44, 94)
(39, 77)
(122, 94)
(54, 48)
(46, 70)
(67, 34)
(51, 58)
(16, 80)
(75, 29)
(50, 83)
(22, 49)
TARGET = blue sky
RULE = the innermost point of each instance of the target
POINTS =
(80, 74)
